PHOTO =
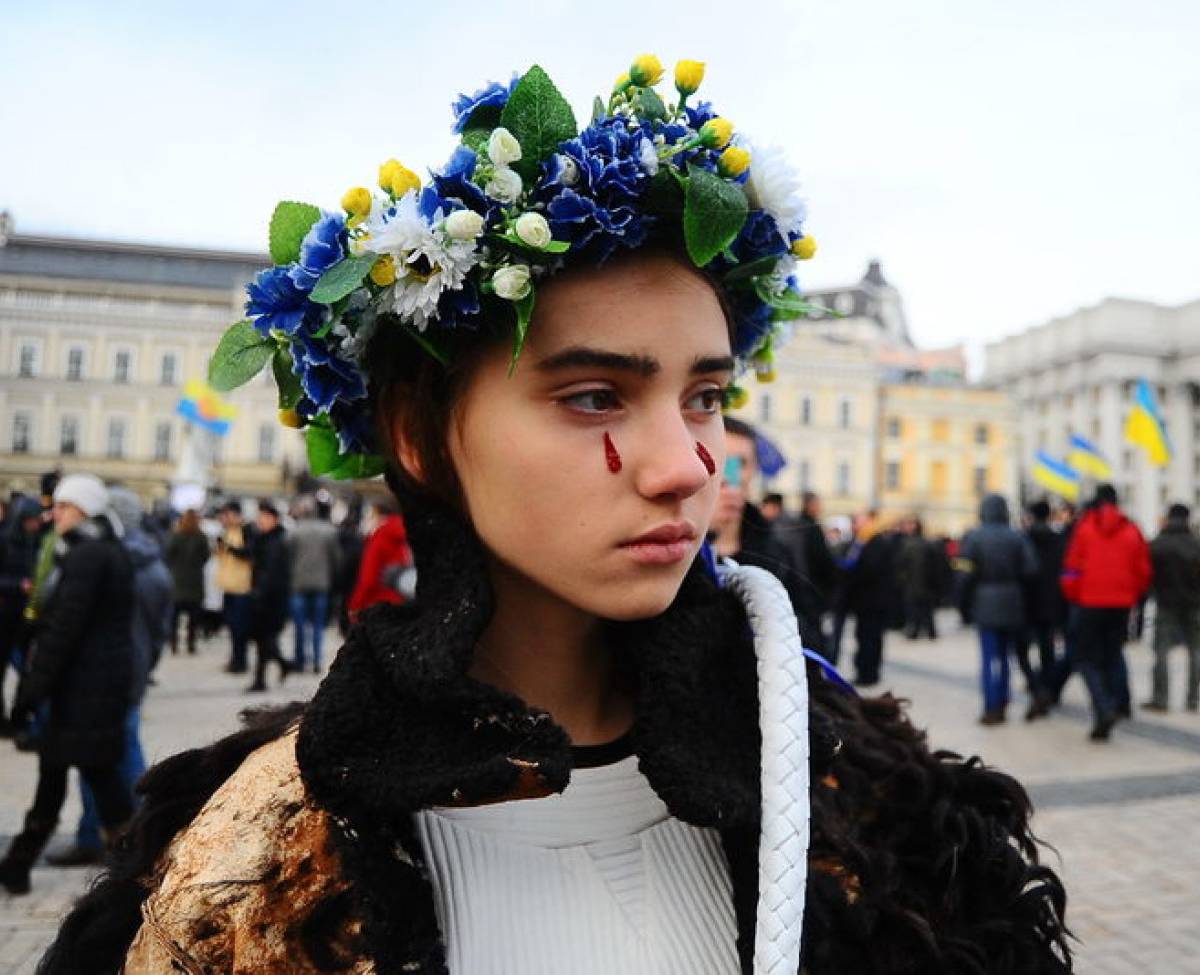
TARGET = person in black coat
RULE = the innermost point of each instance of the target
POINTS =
(270, 589)
(23, 531)
(1046, 609)
(868, 564)
(805, 540)
(1175, 555)
(82, 667)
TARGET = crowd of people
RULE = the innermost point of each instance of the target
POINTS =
(94, 589)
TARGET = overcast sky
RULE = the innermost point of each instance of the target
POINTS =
(1007, 160)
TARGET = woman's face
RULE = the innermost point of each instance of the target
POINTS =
(637, 351)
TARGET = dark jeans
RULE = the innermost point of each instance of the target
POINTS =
(310, 613)
(266, 645)
(133, 764)
(114, 802)
(1101, 634)
(192, 612)
(239, 614)
(1176, 626)
(868, 634)
(994, 644)
(918, 617)
(836, 629)
(1037, 681)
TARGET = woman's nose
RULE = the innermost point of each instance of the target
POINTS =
(667, 462)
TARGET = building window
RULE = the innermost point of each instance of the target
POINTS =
(893, 427)
(937, 477)
(115, 449)
(121, 363)
(266, 443)
(22, 433)
(982, 434)
(68, 436)
(162, 441)
(167, 372)
(843, 478)
(75, 363)
(805, 475)
(27, 361)
(845, 408)
(806, 411)
(941, 431)
(764, 408)
(980, 481)
(891, 475)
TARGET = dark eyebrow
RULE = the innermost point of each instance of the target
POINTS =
(713, 363)
(579, 355)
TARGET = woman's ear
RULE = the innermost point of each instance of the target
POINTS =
(399, 430)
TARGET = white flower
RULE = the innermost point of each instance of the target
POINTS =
(774, 186)
(533, 229)
(464, 225)
(647, 156)
(512, 282)
(503, 147)
(570, 171)
(505, 185)
(427, 261)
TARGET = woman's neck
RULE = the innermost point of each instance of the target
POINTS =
(553, 656)
(727, 538)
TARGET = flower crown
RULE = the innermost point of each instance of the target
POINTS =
(524, 195)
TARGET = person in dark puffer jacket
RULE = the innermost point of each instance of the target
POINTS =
(82, 667)
(1175, 555)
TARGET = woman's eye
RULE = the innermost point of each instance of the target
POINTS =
(593, 401)
(707, 400)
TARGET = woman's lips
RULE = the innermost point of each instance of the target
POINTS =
(658, 553)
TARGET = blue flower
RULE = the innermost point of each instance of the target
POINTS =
(454, 185)
(325, 377)
(354, 428)
(752, 321)
(323, 246)
(459, 308)
(276, 303)
(494, 95)
(759, 237)
(592, 189)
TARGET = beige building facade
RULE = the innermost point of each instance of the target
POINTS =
(97, 340)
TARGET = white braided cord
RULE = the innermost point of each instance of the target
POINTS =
(783, 715)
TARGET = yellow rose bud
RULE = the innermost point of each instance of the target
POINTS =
(290, 418)
(716, 133)
(383, 271)
(621, 82)
(804, 248)
(688, 75)
(737, 397)
(766, 375)
(733, 162)
(357, 201)
(646, 70)
(398, 179)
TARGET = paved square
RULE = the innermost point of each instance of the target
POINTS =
(1122, 819)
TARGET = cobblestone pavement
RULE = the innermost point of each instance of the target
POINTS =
(1122, 819)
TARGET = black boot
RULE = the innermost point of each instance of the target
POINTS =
(22, 853)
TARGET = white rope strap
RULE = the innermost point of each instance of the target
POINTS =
(783, 715)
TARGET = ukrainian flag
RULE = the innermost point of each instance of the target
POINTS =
(1145, 427)
(1085, 457)
(202, 406)
(1056, 476)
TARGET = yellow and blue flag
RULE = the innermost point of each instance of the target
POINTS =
(202, 406)
(1085, 457)
(1054, 475)
(1145, 427)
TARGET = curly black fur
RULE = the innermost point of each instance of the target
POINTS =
(922, 862)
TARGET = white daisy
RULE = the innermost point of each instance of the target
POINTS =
(427, 260)
(774, 186)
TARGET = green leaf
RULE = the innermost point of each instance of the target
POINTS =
(325, 459)
(713, 213)
(339, 280)
(556, 247)
(650, 106)
(540, 118)
(286, 381)
(524, 310)
(289, 223)
(787, 304)
(664, 193)
(484, 117)
(476, 137)
(240, 356)
(751, 269)
(598, 109)
(356, 467)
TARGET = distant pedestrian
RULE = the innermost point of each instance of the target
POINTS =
(804, 538)
(152, 617)
(186, 554)
(234, 558)
(1106, 571)
(386, 560)
(917, 574)
(1175, 555)
(82, 667)
(1046, 610)
(270, 588)
(313, 552)
(350, 555)
(1000, 565)
(19, 546)
(869, 582)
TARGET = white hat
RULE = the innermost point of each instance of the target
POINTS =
(86, 491)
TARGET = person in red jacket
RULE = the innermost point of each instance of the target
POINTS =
(1105, 573)
(386, 573)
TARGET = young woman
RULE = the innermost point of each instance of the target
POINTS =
(580, 748)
